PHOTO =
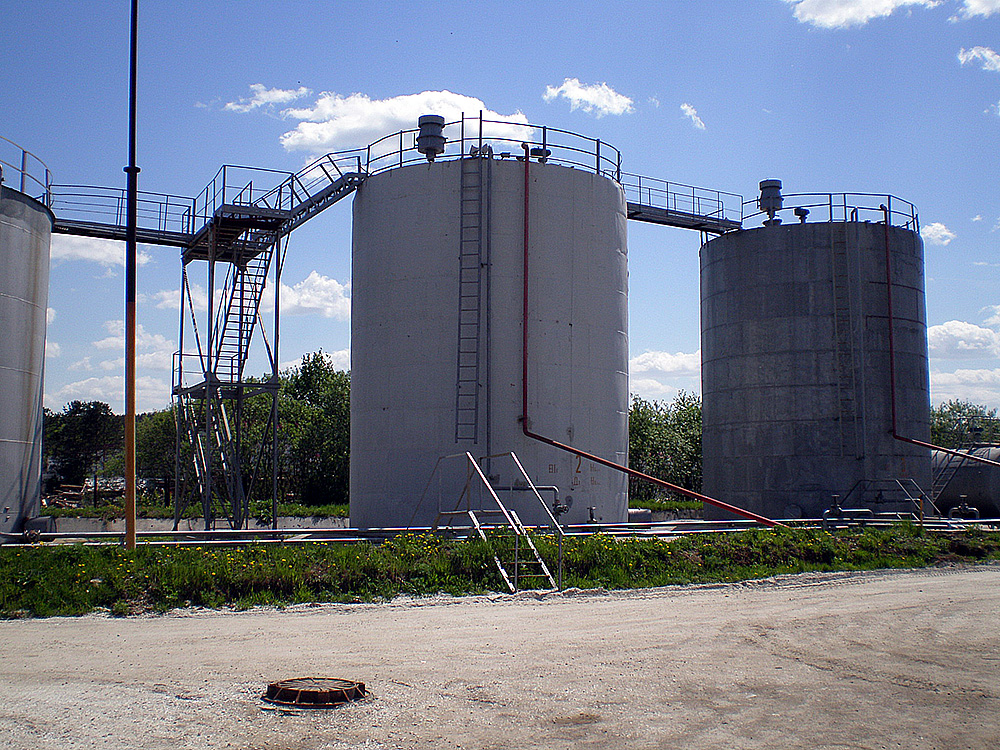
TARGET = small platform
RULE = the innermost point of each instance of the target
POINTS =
(230, 223)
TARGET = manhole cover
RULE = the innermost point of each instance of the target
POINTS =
(314, 692)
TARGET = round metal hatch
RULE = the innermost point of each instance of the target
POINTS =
(314, 692)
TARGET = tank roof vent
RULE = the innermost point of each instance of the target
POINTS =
(430, 139)
(770, 201)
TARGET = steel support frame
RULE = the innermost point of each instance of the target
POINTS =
(233, 467)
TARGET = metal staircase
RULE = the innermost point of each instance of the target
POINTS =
(473, 259)
(241, 226)
(213, 459)
(514, 553)
(945, 473)
(239, 314)
(847, 405)
(969, 437)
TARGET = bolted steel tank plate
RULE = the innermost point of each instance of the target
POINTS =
(314, 692)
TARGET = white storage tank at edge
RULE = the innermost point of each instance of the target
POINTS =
(413, 309)
(25, 233)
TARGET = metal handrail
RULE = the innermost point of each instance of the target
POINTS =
(508, 513)
(299, 192)
(235, 185)
(676, 197)
(553, 521)
(160, 211)
(911, 491)
(31, 173)
(844, 207)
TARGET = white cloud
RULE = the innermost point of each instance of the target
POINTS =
(837, 14)
(654, 102)
(936, 233)
(105, 252)
(52, 349)
(151, 393)
(978, 386)
(598, 98)
(265, 97)
(50, 315)
(81, 365)
(314, 295)
(340, 359)
(989, 59)
(972, 8)
(652, 389)
(692, 113)
(170, 299)
(977, 217)
(681, 363)
(154, 351)
(994, 319)
(956, 339)
(338, 122)
(662, 375)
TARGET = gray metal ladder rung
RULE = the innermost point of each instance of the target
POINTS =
(471, 236)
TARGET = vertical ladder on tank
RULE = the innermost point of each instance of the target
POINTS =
(470, 287)
(847, 407)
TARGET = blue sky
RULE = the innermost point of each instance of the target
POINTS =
(883, 96)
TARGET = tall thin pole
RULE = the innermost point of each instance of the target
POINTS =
(132, 172)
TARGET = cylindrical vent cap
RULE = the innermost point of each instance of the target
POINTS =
(430, 139)
(770, 200)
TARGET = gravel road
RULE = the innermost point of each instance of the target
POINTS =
(907, 659)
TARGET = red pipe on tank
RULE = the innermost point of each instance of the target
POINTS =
(569, 448)
(892, 360)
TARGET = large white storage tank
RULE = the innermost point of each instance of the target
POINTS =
(25, 234)
(797, 403)
(437, 269)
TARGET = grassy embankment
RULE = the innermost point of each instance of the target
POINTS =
(76, 579)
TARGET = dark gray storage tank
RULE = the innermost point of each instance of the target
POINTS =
(25, 233)
(795, 361)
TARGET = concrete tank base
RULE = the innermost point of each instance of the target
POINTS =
(795, 369)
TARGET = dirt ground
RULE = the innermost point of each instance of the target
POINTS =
(884, 660)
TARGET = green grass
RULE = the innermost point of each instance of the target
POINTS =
(75, 579)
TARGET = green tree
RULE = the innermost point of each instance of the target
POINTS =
(957, 423)
(315, 415)
(82, 435)
(664, 440)
(155, 447)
